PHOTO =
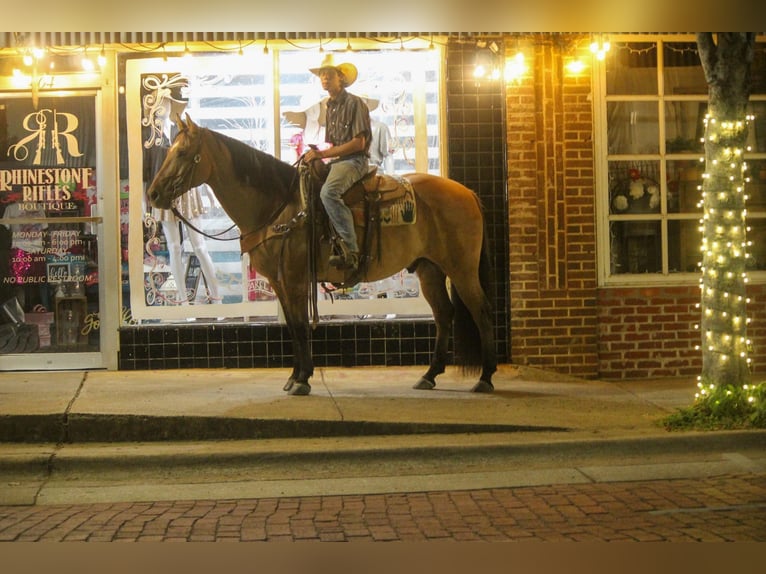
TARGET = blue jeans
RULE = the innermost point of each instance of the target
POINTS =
(343, 174)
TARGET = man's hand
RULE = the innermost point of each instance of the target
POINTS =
(313, 154)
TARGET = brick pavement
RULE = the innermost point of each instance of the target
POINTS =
(725, 508)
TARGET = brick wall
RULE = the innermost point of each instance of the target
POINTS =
(552, 238)
(648, 332)
(560, 319)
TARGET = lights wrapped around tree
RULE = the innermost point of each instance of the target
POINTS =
(724, 341)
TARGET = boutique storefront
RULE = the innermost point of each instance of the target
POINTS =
(584, 149)
(96, 278)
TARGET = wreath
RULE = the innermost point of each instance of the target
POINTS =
(636, 194)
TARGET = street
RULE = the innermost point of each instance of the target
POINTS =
(715, 509)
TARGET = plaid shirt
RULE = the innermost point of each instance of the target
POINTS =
(347, 117)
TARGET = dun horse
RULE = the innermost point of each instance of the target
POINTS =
(261, 195)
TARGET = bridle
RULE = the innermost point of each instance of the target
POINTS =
(177, 213)
(280, 230)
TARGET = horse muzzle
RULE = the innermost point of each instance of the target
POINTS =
(159, 200)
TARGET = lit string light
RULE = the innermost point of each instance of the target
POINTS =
(725, 254)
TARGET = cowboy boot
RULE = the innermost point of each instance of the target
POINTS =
(348, 260)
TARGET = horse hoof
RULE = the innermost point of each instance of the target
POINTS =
(289, 384)
(299, 389)
(424, 385)
(483, 387)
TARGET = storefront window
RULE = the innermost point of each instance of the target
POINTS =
(49, 213)
(274, 103)
(653, 125)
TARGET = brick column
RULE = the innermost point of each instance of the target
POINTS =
(552, 238)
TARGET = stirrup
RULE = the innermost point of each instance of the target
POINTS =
(349, 260)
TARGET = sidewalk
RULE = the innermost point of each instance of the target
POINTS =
(191, 434)
(201, 404)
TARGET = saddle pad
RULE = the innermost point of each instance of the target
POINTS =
(401, 211)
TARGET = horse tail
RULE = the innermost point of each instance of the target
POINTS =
(465, 331)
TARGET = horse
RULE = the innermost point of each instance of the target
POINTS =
(446, 246)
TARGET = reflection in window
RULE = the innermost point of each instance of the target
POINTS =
(684, 185)
(636, 247)
(757, 251)
(633, 128)
(682, 71)
(684, 240)
(632, 68)
(756, 137)
(684, 127)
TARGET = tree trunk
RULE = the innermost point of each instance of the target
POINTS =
(726, 60)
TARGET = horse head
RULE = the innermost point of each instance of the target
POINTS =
(186, 165)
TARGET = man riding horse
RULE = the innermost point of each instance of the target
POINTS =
(349, 133)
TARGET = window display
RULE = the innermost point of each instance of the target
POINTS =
(179, 271)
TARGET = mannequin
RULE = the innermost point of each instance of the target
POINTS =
(159, 107)
(172, 232)
(312, 122)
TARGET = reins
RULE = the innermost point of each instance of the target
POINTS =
(307, 211)
(219, 236)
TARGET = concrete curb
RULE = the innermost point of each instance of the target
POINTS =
(235, 453)
(83, 428)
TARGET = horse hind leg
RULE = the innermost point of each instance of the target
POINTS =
(434, 288)
(474, 332)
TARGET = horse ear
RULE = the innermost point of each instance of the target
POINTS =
(190, 123)
(179, 122)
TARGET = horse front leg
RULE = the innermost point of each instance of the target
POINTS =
(295, 307)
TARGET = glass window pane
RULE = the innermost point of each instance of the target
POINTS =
(756, 189)
(634, 187)
(684, 127)
(633, 128)
(757, 250)
(756, 136)
(49, 260)
(402, 90)
(684, 240)
(758, 69)
(682, 71)
(632, 68)
(635, 247)
(684, 179)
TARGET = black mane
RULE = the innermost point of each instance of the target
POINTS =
(259, 169)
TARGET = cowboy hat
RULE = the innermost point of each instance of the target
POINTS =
(372, 103)
(346, 69)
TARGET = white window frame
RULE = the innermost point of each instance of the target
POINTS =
(603, 216)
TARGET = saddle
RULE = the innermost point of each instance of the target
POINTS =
(374, 200)
(375, 188)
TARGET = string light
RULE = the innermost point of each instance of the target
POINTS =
(575, 66)
(516, 67)
(599, 47)
(724, 247)
(86, 62)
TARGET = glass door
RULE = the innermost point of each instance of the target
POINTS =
(50, 226)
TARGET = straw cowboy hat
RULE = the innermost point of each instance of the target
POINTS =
(346, 69)
(372, 103)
